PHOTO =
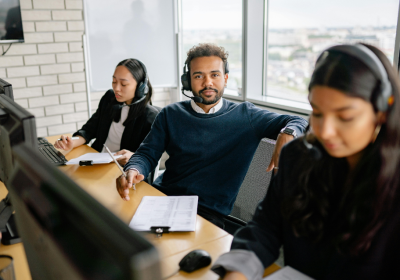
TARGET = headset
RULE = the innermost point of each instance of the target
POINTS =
(375, 65)
(185, 79)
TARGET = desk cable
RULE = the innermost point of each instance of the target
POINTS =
(169, 276)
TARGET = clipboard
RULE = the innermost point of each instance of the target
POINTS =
(170, 213)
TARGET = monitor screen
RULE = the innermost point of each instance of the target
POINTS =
(6, 88)
(10, 22)
(66, 233)
(16, 125)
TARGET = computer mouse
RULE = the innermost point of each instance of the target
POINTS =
(195, 260)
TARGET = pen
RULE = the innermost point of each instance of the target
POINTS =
(72, 138)
(119, 166)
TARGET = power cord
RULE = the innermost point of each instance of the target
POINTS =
(7, 49)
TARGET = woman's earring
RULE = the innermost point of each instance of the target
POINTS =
(376, 132)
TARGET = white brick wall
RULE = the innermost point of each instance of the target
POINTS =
(48, 4)
(59, 109)
(47, 71)
(58, 89)
(74, 4)
(53, 48)
(55, 69)
(51, 26)
(42, 80)
(28, 92)
(62, 129)
(47, 121)
(22, 71)
(67, 15)
(20, 49)
(3, 73)
(40, 59)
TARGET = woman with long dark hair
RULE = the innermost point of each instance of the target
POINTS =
(124, 116)
(334, 203)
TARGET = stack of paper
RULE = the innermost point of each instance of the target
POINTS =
(97, 158)
(177, 212)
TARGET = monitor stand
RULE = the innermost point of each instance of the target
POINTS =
(7, 223)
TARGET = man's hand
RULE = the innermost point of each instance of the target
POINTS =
(124, 184)
(126, 155)
(234, 275)
(280, 141)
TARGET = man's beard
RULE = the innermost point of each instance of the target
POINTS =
(218, 96)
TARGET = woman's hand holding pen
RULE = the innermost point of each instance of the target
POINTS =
(64, 143)
(125, 183)
(67, 143)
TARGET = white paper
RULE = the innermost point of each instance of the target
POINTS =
(177, 212)
(287, 273)
(98, 158)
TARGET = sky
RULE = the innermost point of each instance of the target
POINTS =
(227, 14)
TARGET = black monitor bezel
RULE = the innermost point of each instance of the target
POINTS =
(7, 88)
(21, 124)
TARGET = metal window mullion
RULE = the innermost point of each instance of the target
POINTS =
(244, 49)
(397, 42)
(265, 48)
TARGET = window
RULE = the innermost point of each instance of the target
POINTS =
(298, 31)
(219, 22)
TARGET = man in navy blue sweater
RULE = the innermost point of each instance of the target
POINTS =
(210, 144)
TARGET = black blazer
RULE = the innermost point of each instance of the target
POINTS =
(99, 124)
(268, 231)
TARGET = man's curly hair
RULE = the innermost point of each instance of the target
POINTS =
(206, 49)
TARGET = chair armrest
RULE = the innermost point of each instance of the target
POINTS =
(235, 220)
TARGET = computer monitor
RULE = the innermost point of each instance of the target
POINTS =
(66, 233)
(16, 125)
(6, 88)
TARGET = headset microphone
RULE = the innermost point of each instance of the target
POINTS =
(314, 151)
(120, 106)
(196, 99)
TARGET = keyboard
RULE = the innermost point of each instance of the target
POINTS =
(48, 151)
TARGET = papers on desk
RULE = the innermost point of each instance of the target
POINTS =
(97, 158)
(177, 212)
(287, 273)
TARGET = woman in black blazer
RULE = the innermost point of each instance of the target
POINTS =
(124, 116)
(334, 203)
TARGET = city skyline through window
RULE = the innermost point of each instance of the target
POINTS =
(298, 31)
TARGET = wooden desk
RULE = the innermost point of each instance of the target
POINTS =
(99, 181)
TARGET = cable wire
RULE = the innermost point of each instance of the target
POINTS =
(7, 49)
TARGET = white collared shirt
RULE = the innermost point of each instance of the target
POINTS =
(213, 110)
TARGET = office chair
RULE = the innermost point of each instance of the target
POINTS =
(253, 188)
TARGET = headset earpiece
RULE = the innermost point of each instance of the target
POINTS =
(143, 88)
(185, 79)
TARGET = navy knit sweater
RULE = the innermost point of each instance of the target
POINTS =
(209, 154)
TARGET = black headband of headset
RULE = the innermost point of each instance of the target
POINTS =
(374, 64)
